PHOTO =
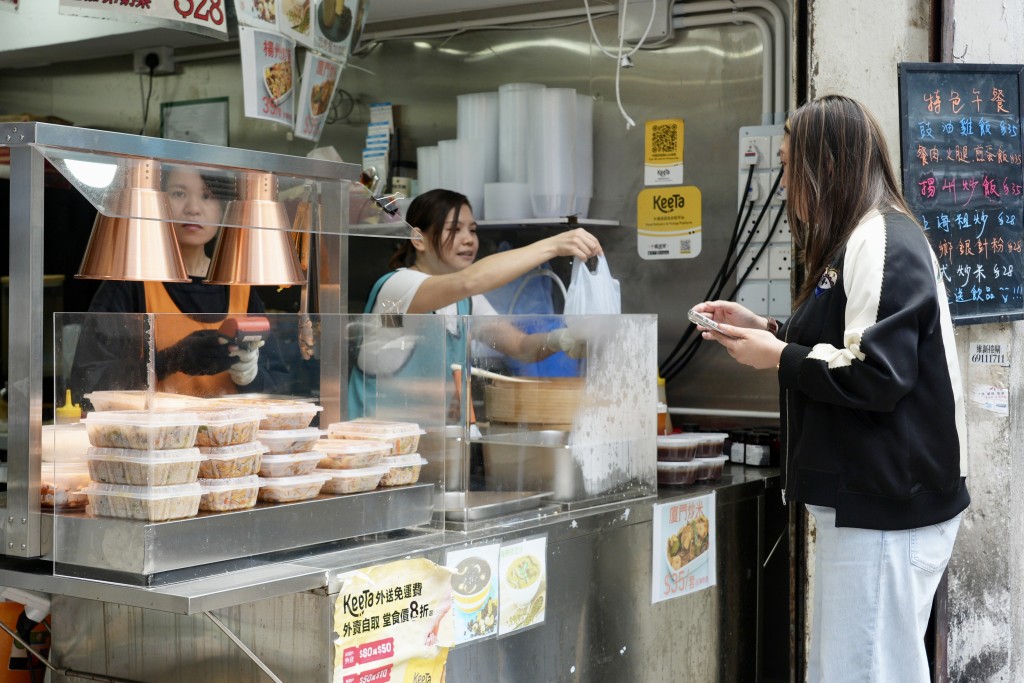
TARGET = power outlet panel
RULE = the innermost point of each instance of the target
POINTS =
(164, 61)
(754, 295)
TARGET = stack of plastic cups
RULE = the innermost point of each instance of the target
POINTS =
(462, 169)
(478, 121)
(428, 169)
(584, 154)
(447, 160)
(551, 162)
(514, 130)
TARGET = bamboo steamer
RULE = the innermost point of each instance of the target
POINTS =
(545, 402)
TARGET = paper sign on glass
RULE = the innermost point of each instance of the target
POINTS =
(523, 579)
(319, 80)
(474, 591)
(685, 547)
(268, 75)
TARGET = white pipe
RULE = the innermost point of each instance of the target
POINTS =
(724, 413)
(685, 23)
(779, 36)
(459, 26)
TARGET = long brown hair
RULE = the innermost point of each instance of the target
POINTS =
(839, 171)
(428, 212)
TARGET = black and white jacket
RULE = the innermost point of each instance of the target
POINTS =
(873, 420)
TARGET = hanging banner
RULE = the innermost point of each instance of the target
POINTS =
(257, 13)
(319, 80)
(295, 21)
(268, 75)
(205, 17)
(394, 623)
(668, 222)
(474, 591)
(685, 548)
(523, 574)
(334, 24)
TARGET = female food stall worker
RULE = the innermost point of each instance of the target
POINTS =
(191, 355)
(439, 273)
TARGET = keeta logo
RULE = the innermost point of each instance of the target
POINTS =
(663, 172)
(668, 203)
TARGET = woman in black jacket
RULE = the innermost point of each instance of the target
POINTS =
(871, 396)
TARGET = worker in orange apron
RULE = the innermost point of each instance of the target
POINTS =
(192, 356)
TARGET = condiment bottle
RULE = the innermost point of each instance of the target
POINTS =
(663, 399)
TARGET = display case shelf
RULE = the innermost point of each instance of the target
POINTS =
(556, 222)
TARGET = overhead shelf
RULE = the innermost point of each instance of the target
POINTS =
(558, 221)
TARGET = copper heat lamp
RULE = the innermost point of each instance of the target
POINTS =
(137, 242)
(261, 256)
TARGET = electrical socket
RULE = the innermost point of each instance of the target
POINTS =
(782, 233)
(164, 56)
(754, 295)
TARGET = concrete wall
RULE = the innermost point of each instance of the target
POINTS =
(853, 50)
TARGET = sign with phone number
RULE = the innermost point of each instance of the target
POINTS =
(207, 17)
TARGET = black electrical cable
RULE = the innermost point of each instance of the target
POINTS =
(151, 61)
(691, 350)
(740, 221)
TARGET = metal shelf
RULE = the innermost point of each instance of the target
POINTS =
(558, 221)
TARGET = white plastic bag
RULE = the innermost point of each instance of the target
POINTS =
(593, 293)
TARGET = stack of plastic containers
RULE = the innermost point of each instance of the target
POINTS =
(287, 467)
(227, 440)
(690, 457)
(362, 454)
(143, 465)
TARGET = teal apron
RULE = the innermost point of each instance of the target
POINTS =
(362, 387)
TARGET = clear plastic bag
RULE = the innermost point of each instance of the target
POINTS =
(593, 293)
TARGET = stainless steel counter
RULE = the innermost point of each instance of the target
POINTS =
(600, 623)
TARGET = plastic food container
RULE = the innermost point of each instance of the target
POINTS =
(290, 489)
(227, 426)
(289, 464)
(278, 413)
(144, 468)
(136, 400)
(289, 440)
(403, 469)
(229, 462)
(678, 447)
(62, 485)
(712, 444)
(221, 495)
(352, 481)
(149, 503)
(404, 437)
(142, 430)
(711, 468)
(343, 454)
(677, 472)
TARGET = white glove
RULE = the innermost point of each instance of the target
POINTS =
(563, 340)
(245, 370)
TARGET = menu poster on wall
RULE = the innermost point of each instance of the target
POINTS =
(523, 577)
(685, 548)
(268, 75)
(474, 591)
(295, 21)
(319, 79)
(257, 13)
(961, 149)
(393, 623)
(205, 17)
(335, 22)
(668, 223)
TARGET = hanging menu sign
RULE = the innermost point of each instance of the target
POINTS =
(961, 149)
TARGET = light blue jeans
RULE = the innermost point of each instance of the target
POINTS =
(873, 593)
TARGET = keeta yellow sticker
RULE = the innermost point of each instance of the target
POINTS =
(663, 152)
(668, 222)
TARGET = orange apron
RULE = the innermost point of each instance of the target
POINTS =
(169, 330)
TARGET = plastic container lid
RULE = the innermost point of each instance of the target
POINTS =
(403, 460)
(211, 485)
(273, 482)
(682, 465)
(135, 455)
(143, 418)
(225, 416)
(352, 447)
(375, 428)
(145, 492)
(278, 458)
(236, 451)
(289, 434)
(355, 473)
(676, 440)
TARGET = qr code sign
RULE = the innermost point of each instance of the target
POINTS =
(684, 246)
(664, 138)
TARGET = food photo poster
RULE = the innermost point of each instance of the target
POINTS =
(685, 547)
(522, 571)
(319, 80)
(474, 591)
(268, 75)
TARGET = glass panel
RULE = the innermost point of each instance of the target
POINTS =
(137, 187)
(175, 471)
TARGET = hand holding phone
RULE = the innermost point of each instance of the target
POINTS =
(701, 320)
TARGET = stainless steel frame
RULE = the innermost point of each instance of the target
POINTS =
(22, 523)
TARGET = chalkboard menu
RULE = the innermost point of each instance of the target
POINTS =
(961, 147)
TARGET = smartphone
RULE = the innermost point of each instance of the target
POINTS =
(701, 320)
